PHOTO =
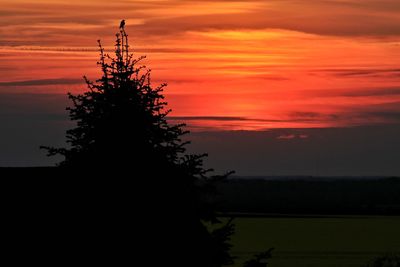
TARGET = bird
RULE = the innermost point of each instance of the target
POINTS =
(122, 25)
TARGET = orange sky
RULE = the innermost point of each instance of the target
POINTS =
(241, 65)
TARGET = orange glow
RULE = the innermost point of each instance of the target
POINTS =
(231, 65)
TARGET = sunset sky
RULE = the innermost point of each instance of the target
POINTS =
(230, 65)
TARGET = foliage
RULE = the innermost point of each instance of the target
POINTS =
(122, 132)
(392, 260)
(259, 260)
(222, 237)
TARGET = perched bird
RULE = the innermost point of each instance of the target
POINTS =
(122, 25)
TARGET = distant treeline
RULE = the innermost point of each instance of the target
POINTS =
(268, 195)
(369, 196)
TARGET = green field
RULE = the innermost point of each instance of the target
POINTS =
(317, 242)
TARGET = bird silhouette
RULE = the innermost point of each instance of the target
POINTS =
(122, 25)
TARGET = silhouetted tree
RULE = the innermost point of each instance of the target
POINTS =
(158, 197)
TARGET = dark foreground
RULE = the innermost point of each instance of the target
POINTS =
(52, 217)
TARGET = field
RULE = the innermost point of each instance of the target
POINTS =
(317, 242)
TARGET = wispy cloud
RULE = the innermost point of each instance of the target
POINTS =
(395, 73)
(394, 92)
(291, 136)
(312, 116)
(360, 92)
(40, 21)
(42, 82)
(208, 118)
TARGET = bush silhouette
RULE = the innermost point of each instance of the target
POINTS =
(259, 260)
(390, 260)
(151, 199)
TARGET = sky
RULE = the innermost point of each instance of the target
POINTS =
(286, 70)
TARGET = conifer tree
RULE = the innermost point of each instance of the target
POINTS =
(122, 132)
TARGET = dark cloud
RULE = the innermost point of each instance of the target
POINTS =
(292, 117)
(311, 116)
(209, 118)
(354, 92)
(363, 72)
(372, 92)
(388, 115)
(385, 112)
(42, 82)
(368, 114)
